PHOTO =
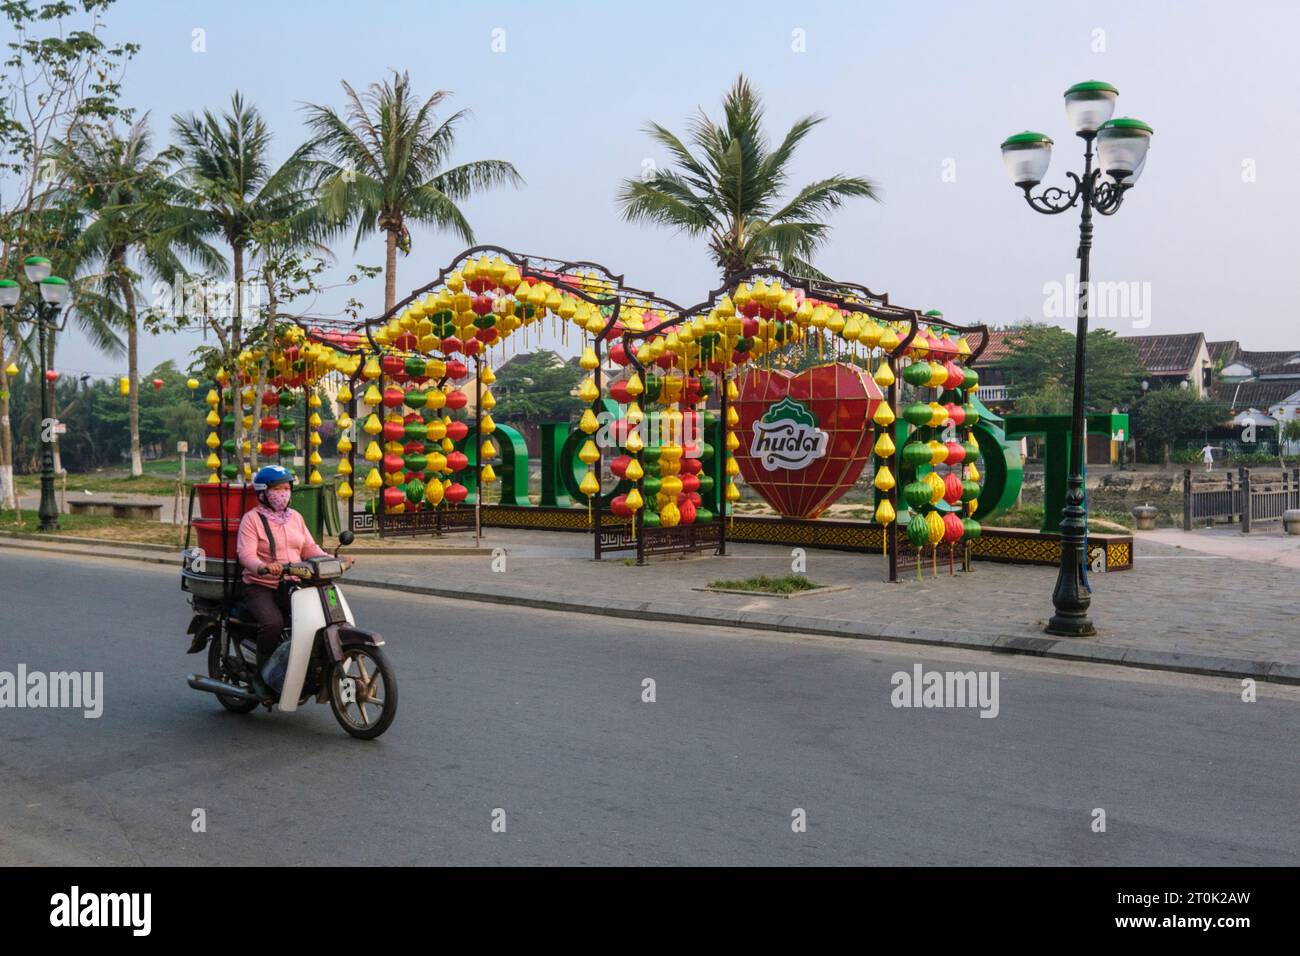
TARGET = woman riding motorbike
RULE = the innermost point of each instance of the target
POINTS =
(271, 536)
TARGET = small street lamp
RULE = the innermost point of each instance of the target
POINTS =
(1121, 153)
(55, 293)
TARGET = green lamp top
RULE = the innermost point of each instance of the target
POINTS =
(1127, 122)
(35, 261)
(53, 280)
(1027, 140)
(1092, 86)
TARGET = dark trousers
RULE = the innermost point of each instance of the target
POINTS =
(271, 608)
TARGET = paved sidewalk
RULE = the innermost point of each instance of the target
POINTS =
(1178, 609)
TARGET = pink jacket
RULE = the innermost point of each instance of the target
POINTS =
(293, 542)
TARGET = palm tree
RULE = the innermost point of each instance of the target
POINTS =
(228, 176)
(384, 168)
(121, 187)
(730, 192)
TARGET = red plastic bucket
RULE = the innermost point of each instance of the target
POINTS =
(235, 499)
(216, 541)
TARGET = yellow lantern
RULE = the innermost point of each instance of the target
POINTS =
(884, 479)
(885, 512)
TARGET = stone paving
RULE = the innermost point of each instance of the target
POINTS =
(1174, 600)
(1192, 601)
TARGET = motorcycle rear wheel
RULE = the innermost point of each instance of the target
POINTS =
(373, 703)
(217, 671)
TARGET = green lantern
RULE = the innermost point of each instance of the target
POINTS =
(917, 374)
(654, 385)
(415, 398)
(915, 454)
(288, 449)
(288, 424)
(414, 366)
(415, 462)
(651, 518)
(917, 495)
(970, 379)
(415, 491)
(970, 490)
(706, 485)
(971, 527)
(918, 414)
(918, 531)
(706, 451)
(416, 431)
(972, 450)
(652, 485)
(972, 416)
(703, 516)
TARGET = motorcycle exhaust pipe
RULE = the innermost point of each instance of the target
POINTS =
(214, 686)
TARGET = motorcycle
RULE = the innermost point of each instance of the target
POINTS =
(328, 656)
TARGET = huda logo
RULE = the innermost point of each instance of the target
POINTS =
(788, 437)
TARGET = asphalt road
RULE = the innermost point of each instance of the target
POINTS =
(540, 715)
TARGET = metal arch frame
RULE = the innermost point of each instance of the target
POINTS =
(839, 294)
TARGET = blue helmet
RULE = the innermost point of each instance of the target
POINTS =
(272, 475)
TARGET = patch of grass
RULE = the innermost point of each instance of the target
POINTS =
(109, 483)
(788, 584)
(95, 526)
(1031, 516)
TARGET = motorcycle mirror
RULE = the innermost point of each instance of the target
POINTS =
(346, 538)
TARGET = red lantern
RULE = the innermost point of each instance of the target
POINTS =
(51, 375)
(270, 398)
(457, 430)
(456, 461)
(157, 385)
(393, 463)
(455, 493)
(406, 342)
(687, 510)
(690, 483)
(474, 345)
(481, 304)
(456, 399)
(394, 430)
(953, 529)
(956, 412)
(394, 397)
(451, 345)
(270, 448)
(667, 360)
(455, 368)
(392, 364)
(691, 466)
(270, 424)
(952, 490)
(956, 453)
(618, 505)
(955, 375)
(618, 392)
(393, 497)
(619, 465)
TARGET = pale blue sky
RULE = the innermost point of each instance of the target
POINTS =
(906, 88)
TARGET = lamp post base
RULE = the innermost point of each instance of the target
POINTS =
(1070, 625)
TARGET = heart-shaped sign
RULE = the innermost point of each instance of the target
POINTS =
(805, 438)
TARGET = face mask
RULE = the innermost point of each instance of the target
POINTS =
(278, 500)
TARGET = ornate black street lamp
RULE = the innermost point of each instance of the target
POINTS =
(55, 293)
(1121, 152)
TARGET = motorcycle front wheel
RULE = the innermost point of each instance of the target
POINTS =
(363, 691)
(217, 671)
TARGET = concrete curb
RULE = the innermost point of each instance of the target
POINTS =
(1060, 649)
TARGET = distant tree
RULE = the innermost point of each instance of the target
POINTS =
(536, 388)
(729, 185)
(384, 167)
(1041, 361)
(1165, 415)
